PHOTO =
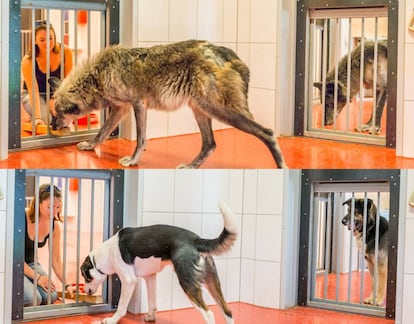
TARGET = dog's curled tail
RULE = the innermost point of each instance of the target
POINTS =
(227, 237)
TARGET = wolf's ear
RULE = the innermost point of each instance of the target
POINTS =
(72, 109)
(318, 85)
(54, 82)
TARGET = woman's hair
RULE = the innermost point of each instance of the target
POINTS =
(44, 194)
(42, 25)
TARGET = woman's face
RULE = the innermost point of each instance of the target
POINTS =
(45, 205)
(41, 40)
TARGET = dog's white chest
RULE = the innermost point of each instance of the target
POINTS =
(147, 266)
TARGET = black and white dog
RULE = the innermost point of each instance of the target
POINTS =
(145, 251)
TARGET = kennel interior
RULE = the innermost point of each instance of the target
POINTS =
(333, 272)
(328, 32)
(87, 203)
(85, 27)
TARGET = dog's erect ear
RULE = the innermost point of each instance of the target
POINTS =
(348, 202)
(54, 82)
(318, 85)
(370, 203)
(72, 109)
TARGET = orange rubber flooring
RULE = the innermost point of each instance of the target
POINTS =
(235, 149)
(242, 314)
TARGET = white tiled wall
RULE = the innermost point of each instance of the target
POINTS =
(408, 83)
(189, 199)
(3, 185)
(408, 264)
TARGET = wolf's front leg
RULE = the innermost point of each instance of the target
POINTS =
(116, 115)
(141, 122)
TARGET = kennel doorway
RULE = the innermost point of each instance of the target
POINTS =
(332, 274)
(328, 32)
(85, 27)
(92, 210)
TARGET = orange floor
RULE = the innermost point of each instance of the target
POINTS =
(235, 149)
(242, 314)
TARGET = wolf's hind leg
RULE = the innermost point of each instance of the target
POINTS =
(208, 143)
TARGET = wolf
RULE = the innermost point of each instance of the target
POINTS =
(358, 227)
(368, 80)
(212, 80)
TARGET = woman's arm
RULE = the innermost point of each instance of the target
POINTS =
(27, 77)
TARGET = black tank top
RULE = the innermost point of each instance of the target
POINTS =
(29, 245)
(41, 80)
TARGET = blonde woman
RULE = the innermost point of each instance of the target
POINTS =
(34, 93)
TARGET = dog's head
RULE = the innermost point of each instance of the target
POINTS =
(92, 275)
(358, 225)
(66, 110)
(330, 100)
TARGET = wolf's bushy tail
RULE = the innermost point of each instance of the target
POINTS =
(225, 240)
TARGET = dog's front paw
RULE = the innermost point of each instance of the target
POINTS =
(368, 128)
(149, 318)
(127, 161)
(108, 320)
(85, 146)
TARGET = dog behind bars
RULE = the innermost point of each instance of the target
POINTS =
(210, 79)
(381, 262)
(368, 83)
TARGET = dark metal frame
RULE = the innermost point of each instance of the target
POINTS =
(303, 7)
(332, 176)
(112, 37)
(114, 223)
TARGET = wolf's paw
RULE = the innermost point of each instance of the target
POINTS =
(85, 146)
(369, 300)
(149, 318)
(185, 166)
(108, 320)
(127, 161)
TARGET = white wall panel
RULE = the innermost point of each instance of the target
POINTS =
(263, 21)
(183, 20)
(247, 277)
(2, 241)
(188, 191)
(158, 190)
(267, 284)
(153, 20)
(268, 238)
(270, 192)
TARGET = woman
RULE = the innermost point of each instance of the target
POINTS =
(37, 99)
(40, 276)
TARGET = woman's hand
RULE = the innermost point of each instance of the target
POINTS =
(39, 121)
(43, 281)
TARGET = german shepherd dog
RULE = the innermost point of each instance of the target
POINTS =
(370, 228)
(368, 80)
(210, 79)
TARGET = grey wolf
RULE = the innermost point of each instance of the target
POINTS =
(210, 79)
(144, 251)
(368, 80)
(370, 239)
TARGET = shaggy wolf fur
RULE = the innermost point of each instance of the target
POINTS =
(368, 80)
(370, 240)
(210, 79)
